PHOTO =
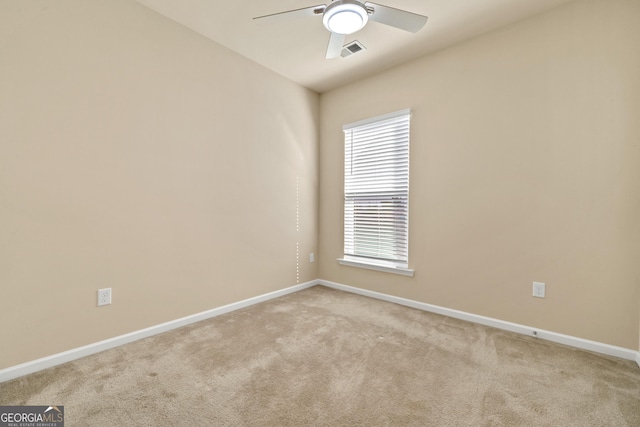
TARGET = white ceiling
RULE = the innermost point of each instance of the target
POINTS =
(296, 49)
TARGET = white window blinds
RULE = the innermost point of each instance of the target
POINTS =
(376, 190)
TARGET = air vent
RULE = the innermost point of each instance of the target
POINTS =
(352, 48)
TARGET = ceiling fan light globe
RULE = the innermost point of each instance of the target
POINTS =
(345, 18)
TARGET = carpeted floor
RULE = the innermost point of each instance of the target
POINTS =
(328, 358)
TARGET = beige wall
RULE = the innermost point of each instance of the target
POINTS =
(122, 133)
(525, 162)
(137, 155)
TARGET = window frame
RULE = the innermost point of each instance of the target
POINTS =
(397, 266)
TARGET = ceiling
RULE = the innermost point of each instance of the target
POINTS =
(296, 48)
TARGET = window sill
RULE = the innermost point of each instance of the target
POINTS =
(394, 270)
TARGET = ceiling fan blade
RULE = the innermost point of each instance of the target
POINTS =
(293, 14)
(336, 41)
(398, 18)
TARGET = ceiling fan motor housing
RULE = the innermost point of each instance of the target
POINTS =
(345, 16)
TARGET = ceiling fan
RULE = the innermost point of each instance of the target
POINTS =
(343, 17)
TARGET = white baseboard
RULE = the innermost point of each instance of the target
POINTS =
(597, 347)
(76, 353)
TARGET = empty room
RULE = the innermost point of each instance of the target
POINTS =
(243, 213)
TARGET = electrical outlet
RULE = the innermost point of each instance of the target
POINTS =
(312, 257)
(538, 289)
(104, 296)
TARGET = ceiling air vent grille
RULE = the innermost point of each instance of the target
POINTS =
(352, 48)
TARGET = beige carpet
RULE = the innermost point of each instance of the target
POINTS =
(329, 358)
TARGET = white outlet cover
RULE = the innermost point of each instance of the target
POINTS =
(104, 296)
(538, 289)
(312, 257)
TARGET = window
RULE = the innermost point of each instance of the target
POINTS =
(376, 193)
